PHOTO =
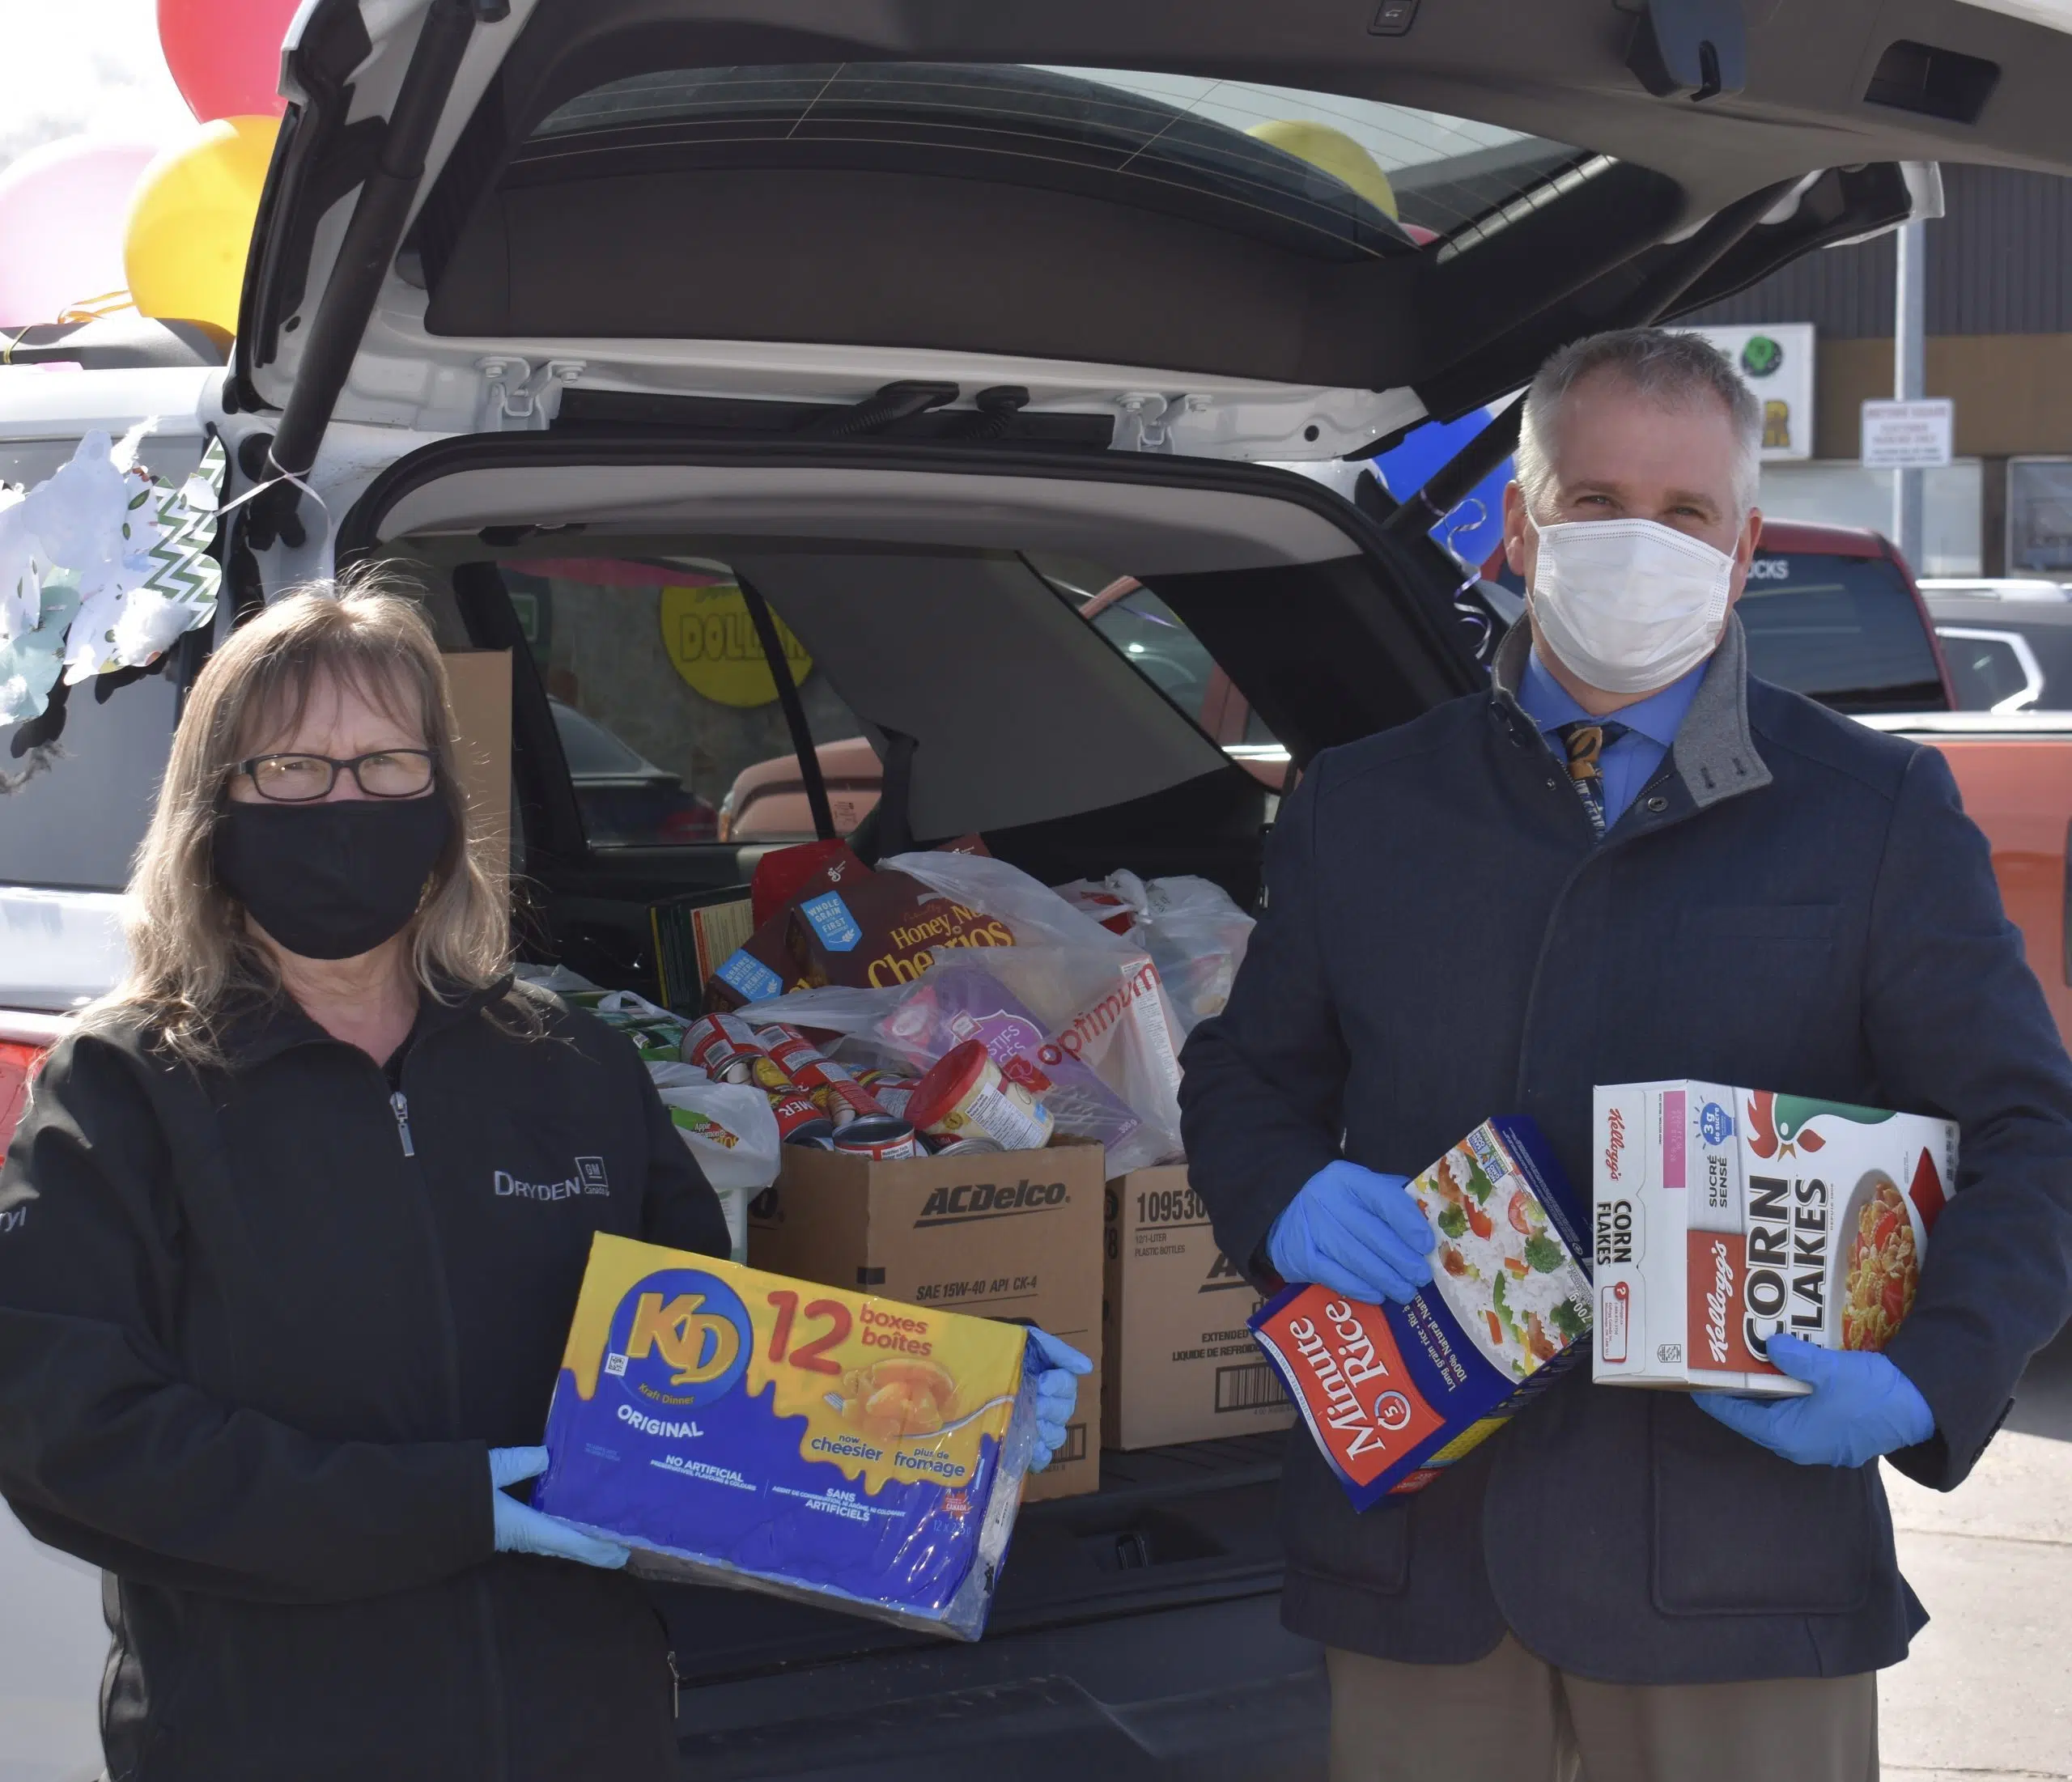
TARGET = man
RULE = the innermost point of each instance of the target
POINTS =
(1626, 861)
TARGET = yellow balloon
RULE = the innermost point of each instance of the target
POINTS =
(1336, 152)
(190, 222)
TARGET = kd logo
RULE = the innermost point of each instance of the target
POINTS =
(698, 1346)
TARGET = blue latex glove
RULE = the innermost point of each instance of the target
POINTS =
(1860, 1406)
(1356, 1232)
(521, 1529)
(1058, 1367)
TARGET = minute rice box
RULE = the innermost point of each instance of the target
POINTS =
(1727, 1216)
(742, 1428)
(1393, 1394)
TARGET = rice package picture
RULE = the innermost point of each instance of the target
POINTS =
(1393, 1394)
(1727, 1216)
(742, 1428)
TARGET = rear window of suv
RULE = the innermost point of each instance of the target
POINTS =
(1170, 141)
(1843, 631)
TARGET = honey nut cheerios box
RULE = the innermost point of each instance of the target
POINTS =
(742, 1428)
(1393, 1394)
(1726, 1216)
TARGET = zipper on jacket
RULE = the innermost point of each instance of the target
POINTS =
(676, 1690)
(401, 1110)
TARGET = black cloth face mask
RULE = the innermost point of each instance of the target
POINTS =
(333, 878)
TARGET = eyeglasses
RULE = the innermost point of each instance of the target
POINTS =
(298, 779)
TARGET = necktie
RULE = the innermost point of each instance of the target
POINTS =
(1584, 743)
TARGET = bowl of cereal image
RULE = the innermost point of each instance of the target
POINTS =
(1881, 1261)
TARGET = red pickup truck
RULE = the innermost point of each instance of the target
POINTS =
(1831, 611)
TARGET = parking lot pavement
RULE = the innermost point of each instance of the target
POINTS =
(1987, 1690)
(53, 1644)
(1986, 1695)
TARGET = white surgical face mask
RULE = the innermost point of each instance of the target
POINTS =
(1627, 605)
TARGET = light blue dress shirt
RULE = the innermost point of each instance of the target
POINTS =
(1630, 762)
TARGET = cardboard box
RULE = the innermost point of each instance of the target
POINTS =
(1725, 1216)
(1013, 1234)
(1179, 1362)
(747, 1429)
(479, 685)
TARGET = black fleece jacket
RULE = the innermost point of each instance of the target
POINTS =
(259, 1326)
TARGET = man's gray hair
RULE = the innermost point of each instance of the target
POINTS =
(1673, 369)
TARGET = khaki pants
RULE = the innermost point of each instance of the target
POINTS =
(1512, 1718)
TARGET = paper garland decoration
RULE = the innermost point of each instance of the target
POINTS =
(102, 568)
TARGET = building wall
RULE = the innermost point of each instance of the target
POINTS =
(1999, 262)
(1999, 327)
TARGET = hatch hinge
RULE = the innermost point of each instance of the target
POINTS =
(1145, 423)
(517, 399)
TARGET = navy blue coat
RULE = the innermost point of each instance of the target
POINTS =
(1795, 902)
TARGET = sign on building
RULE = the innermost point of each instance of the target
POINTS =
(1908, 435)
(1777, 359)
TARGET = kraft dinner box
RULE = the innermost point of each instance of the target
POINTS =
(740, 1428)
(1007, 1234)
(1178, 1356)
(1394, 1393)
(1725, 1216)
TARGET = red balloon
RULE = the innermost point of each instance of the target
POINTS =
(225, 55)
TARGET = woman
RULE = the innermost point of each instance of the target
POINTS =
(303, 1211)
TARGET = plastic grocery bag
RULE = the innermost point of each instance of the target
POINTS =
(1192, 928)
(729, 1128)
(657, 1033)
(1098, 996)
(962, 998)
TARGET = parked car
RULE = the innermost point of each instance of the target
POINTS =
(880, 339)
(2008, 642)
(626, 799)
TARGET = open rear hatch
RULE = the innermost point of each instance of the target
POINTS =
(1061, 223)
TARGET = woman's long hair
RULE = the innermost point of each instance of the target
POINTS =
(192, 955)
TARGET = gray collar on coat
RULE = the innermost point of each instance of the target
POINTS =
(1715, 756)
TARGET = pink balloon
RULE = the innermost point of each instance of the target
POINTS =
(62, 210)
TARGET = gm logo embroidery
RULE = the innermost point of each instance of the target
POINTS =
(588, 1179)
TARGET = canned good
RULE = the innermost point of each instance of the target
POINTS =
(966, 1096)
(879, 1137)
(764, 1073)
(895, 1094)
(724, 1046)
(798, 1122)
(840, 1095)
(962, 1147)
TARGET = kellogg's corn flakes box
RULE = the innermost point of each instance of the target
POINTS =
(1727, 1216)
(741, 1428)
(1393, 1394)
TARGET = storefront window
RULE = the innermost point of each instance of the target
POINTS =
(2040, 517)
(666, 706)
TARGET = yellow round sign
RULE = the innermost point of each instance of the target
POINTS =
(711, 640)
